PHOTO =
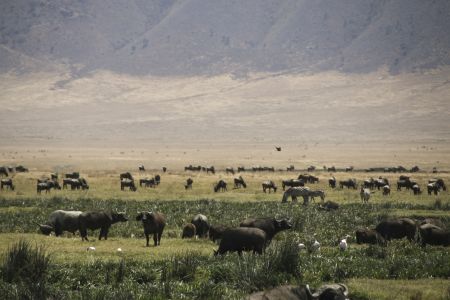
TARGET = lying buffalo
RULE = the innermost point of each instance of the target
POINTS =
(271, 226)
(188, 231)
(201, 224)
(60, 221)
(369, 236)
(99, 219)
(397, 229)
(433, 235)
(153, 223)
(242, 239)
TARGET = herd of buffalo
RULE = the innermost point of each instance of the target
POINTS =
(253, 234)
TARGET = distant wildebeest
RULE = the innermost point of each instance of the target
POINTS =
(349, 169)
(349, 183)
(164, 169)
(60, 221)
(188, 184)
(201, 224)
(73, 175)
(47, 186)
(386, 190)
(369, 183)
(291, 168)
(435, 170)
(21, 169)
(147, 182)
(397, 229)
(271, 226)
(76, 184)
(157, 179)
(4, 171)
(126, 175)
(292, 183)
(268, 185)
(404, 183)
(221, 185)
(332, 182)
(416, 189)
(241, 169)
(329, 205)
(414, 169)
(439, 182)
(188, 231)
(433, 188)
(369, 236)
(434, 235)
(239, 182)
(141, 168)
(153, 223)
(278, 148)
(364, 194)
(229, 170)
(381, 182)
(99, 219)
(317, 193)
(332, 169)
(127, 183)
(294, 192)
(311, 169)
(210, 169)
(215, 232)
(242, 239)
(7, 183)
(54, 176)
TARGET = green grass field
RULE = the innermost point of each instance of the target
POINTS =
(186, 269)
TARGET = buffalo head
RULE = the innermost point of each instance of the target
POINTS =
(45, 229)
(283, 224)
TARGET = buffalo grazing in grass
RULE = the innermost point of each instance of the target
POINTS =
(60, 221)
(242, 239)
(99, 220)
(271, 226)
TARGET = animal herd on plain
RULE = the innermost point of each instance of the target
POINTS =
(253, 234)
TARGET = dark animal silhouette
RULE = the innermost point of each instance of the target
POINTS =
(126, 175)
(416, 189)
(292, 183)
(8, 183)
(242, 239)
(153, 223)
(99, 220)
(47, 186)
(332, 169)
(332, 182)
(349, 183)
(157, 179)
(141, 168)
(229, 170)
(414, 169)
(349, 169)
(215, 232)
(439, 182)
(271, 226)
(397, 229)
(127, 183)
(188, 184)
(73, 175)
(278, 148)
(164, 169)
(210, 169)
(268, 185)
(241, 169)
(239, 182)
(329, 205)
(380, 182)
(311, 169)
(433, 188)
(189, 231)
(21, 169)
(369, 236)
(386, 190)
(4, 171)
(221, 185)
(60, 221)
(434, 235)
(201, 224)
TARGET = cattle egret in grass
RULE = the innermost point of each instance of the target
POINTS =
(301, 246)
(343, 244)
(119, 249)
(315, 246)
(90, 248)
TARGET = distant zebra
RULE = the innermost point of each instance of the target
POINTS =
(294, 192)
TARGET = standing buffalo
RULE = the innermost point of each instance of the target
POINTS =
(8, 183)
(60, 221)
(188, 231)
(201, 224)
(369, 236)
(99, 219)
(397, 229)
(215, 232)
(153, 222)
(242, 239)
(271, 226)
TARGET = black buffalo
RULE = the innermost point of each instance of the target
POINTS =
(153, 223)
(369, 236)
(60, 221)
(242, 239)
(397, 229)
(216, 232)
(189, 231)
(434, 235)
(99, 219)
(201, 224)
(271, 226)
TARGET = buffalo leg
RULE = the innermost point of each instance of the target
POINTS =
(147, 237)
(155, 239)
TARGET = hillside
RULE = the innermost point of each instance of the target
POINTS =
(192, 37)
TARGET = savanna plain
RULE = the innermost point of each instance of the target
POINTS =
(62, 267)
